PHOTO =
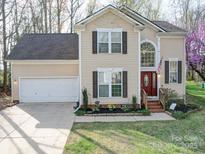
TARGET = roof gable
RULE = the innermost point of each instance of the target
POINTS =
(106, 9)
(138, 17)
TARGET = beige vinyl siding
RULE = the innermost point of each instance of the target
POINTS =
(40, 70)
(173, 48)
(129, 62)
(149, 34)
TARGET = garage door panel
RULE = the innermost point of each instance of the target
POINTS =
(49, 90)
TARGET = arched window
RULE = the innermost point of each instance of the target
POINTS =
(147, 55)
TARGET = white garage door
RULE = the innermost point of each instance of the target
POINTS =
(49, 89)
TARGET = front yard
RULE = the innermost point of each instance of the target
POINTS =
(179, 136)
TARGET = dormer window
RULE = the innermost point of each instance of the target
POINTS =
(109, 41)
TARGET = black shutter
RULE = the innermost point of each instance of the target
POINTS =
(95, 84)
(94, 37)
(179, 71)
(167, 72)
(124, 42)
(124, 84)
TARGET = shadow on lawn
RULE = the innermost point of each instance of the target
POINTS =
(95, 142)
(134, 139)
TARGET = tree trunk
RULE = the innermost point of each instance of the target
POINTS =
(45, 15)
(71, 16)
(4, 47)
(16, 21)
(58, 16)
(50, 13)
(198, 72)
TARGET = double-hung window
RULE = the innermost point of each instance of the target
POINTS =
(110, 83)
(173, 69)
(109, 41)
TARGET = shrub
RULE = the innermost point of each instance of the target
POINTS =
(111, 107)
(125, 108)
(134, 102)
(97, 106)
(85, 98)
(172, 94)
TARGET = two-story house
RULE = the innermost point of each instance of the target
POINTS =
(115, 54)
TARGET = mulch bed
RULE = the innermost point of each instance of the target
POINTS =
(113, 112)
(5, 101)
(186, 107)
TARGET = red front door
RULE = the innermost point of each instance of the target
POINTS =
(149, 83)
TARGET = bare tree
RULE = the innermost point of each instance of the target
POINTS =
(62, 15)
(188, 15)
(74, 7)
(144, 7)
(91, 7)
(59, 14)
(44, 2)
(50, 14)
(3, 12)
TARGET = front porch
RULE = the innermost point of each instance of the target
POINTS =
(154, 105)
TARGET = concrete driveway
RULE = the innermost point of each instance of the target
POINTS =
(35, 128)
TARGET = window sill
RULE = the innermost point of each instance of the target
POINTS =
(110, 53)
(109, 97)
(174, 83)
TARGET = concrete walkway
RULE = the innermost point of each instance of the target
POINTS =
(37, 128)
(153, 117)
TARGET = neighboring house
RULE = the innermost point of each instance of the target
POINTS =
(115, 54)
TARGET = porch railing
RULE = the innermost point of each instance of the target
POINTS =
(144, 98)
(163, 97)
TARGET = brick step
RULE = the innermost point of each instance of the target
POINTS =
(156, 110)
(153, 101)
(155, 107)
(153, 104)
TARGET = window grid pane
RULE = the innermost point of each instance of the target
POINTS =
(103, 37)
(147, 55)
(104, 90)
(116, 77)
(173, 71)
(103, 47)
(147, 59)
(116, 37)
(116, 90)
(116, 47)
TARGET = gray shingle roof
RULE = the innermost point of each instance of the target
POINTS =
(168, 26)
(46, 47)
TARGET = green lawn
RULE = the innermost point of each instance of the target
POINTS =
(180, 136)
